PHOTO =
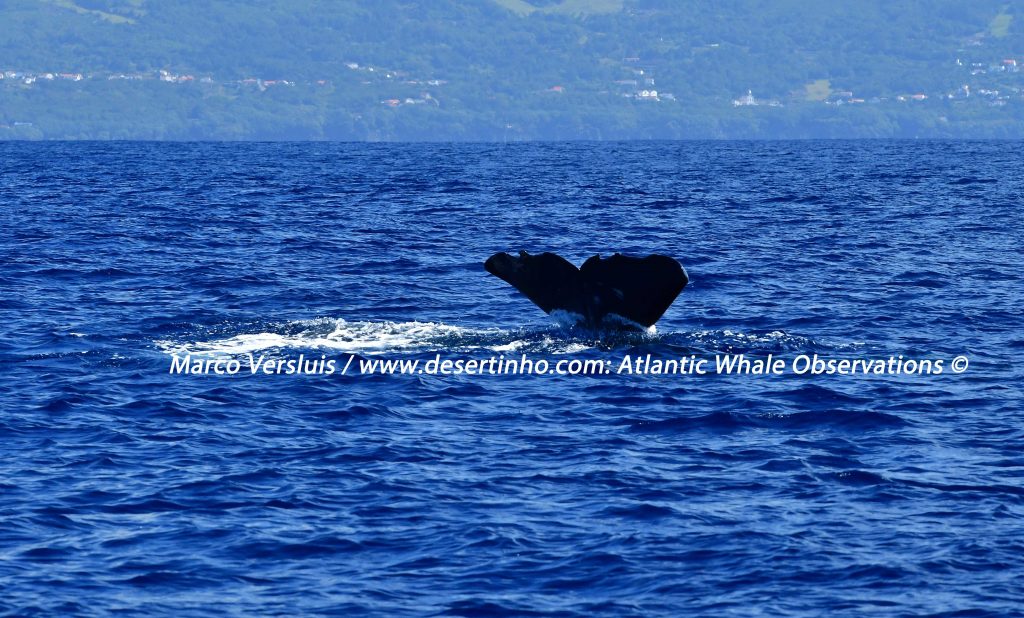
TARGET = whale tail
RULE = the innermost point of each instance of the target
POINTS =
(637, 289)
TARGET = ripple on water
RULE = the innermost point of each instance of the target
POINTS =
(127, 489)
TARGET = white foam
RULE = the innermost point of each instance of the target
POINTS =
(614, 318)
(355, 337)
(511, 346)
(726, 339)
(364, 337)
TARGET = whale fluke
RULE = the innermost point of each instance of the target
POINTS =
(637, 289)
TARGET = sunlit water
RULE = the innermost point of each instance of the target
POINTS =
(128, 489)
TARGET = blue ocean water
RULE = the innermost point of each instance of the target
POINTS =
(127, 489)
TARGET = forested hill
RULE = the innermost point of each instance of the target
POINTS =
(510, 69)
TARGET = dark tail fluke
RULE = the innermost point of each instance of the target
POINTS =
(638, 289)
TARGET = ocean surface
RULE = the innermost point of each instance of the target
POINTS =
(128, 488)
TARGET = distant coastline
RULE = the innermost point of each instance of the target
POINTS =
(508, 70)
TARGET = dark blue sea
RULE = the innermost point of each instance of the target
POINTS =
(129, 489)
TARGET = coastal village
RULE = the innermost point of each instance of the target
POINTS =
(637, 83)
(371, 75)
(993, 96)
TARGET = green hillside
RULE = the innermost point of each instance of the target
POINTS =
(509, 69)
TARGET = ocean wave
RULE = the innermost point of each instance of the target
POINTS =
(368, 337)
(560, 337)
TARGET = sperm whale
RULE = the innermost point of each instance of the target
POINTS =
(603, 290)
